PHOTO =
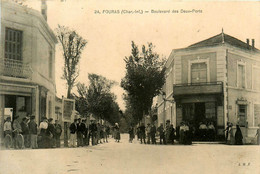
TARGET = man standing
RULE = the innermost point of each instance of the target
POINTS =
(8, 131)
(148, 130)
(142, 133)
(153, 132)
(85, 133)
(25, 132)
(92, 132)
(51, 133)
(161, 131)
(80, 132)
(58, 131)
(33, 132)
(73, 130)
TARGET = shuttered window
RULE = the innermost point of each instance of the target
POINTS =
(13, 44)
(198, 72)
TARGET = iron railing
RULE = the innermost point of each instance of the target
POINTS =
(15, 68)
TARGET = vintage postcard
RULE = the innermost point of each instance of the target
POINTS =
(129, 86)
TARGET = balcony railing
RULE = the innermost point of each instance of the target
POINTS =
(197, 88)
(15, 68)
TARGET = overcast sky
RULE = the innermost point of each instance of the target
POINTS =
(109, 36)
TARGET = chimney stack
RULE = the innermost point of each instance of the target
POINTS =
(44, 9)
(253, 44)
(247, 43)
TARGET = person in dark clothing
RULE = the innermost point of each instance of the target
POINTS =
(172, 134)
(117, 134)
(153, 132)
(92, 132)
(85, 133)
(58, 131)
(73, 130)
(80, 132)
(238, 136)
(33, 132)
(142, 133)
(51, 133)
(131, 134)
(25, 132)
(161, 131)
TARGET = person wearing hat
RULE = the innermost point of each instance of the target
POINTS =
(25, 132)
(161, 131)
(92, 132)
(58, 131)
(73, 130)
(33, 132)
(80, 132)
(17, 130)
(85, 133)
(50, 134)
(42, 139)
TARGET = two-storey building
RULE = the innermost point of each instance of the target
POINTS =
(27, 62)
(215, 80)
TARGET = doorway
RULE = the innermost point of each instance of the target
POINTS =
(199, 113)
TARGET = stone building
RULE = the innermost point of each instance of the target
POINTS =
(215, 80)
(27, 62)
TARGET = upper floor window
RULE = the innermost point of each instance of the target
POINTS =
(50, 64)
(199, 72)
(13, 44)
(256, 79)
(241, 76)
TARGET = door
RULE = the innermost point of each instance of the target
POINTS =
(199, 112)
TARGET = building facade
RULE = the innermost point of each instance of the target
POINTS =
(27, 63)
(215, 80)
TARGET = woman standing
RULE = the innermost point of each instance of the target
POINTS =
(117, 133)
(238, 136)
(258, 135)
(131, 134)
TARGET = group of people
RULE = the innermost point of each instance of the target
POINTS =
(48, 136)
(167, 134)
(81, 134)
(230, 139)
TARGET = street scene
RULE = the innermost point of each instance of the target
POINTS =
(134, 157)
(106, 87)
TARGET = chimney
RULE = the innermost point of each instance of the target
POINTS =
(253, 44)
(44, 9)
(247, 43)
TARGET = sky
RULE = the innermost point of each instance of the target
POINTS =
(109, 34)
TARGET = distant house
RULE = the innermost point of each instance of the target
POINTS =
(27, 62)
(215, 80)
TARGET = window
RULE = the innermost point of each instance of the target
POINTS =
(242, 115)
(241, 76)
(198, 72)
(256, 79)
(50, 64)
(13, 44)
(256, 114)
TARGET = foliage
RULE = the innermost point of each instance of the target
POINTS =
(98, 99)
(144, 78)
(72, 46)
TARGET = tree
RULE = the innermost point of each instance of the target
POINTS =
(144, 78)
(98, 98)
(72, 45)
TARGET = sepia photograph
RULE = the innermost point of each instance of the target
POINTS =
(129, 87)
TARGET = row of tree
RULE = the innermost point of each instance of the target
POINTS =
(144, 78)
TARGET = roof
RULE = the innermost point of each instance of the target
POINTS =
(220, 39)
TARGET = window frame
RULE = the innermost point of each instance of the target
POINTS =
(240, 63)
(206, 61)
(7, 42)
